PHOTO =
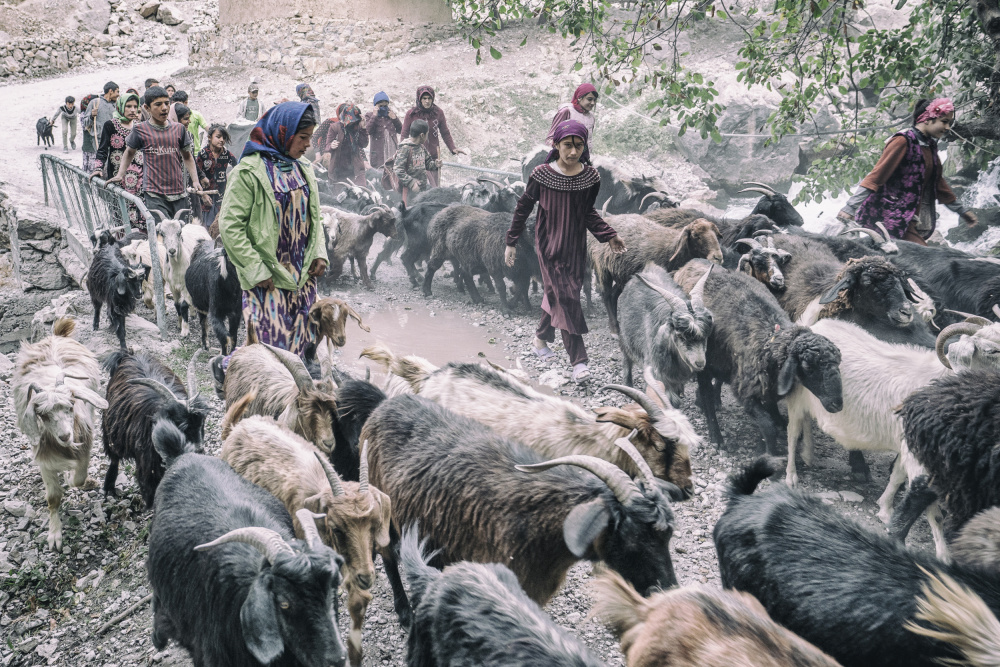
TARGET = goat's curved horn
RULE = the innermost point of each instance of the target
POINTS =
(163, 390)
(950, 331)
(753, 243)
(974, 319)
(363, 475)
(766, 193)
(996, 309)
(178, 214)
(864, 230)
(486, 179)
(653, 384)
(645, 402)
(885, 232)
(604, 209)
(33, 389)
(294, 364)
(625, 444)
(762, 185)
(307, 520)
(616, 479)
(192, 379)
(698, 291)
(331, 475)
(671, 298)
(163, 216)
(264, 540)
(763, 232)
(657, 194)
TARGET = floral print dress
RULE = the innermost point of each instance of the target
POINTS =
(281, 317)
(133, 175)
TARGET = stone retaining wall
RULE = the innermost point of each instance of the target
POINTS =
(306, 46)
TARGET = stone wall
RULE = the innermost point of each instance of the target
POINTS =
(234, 12)
(38, 250)
(306, 46)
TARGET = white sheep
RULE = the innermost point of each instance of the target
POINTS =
(179, 241)
(55, 385)
(876, 378)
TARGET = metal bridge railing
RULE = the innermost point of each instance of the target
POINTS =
(91, 206)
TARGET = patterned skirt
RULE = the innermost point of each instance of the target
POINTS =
(280, 317)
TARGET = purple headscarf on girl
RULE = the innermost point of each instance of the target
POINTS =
(569, 128)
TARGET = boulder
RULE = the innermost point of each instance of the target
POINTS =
(169, 14)
(94, 15)
(149, 9)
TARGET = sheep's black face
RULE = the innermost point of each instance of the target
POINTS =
(879, 294)
(780, 210)
(989, 296)
(636, 543)
(190, 420)
(303, 590)
(817, 362)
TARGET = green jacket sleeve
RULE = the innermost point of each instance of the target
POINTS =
(234, 228)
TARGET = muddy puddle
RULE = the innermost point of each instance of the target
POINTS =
(438, 336)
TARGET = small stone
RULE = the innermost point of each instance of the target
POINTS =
(15, 507)
(48, 648)
(829, 495)
(168, 14)
(552, 378)
(851, 497)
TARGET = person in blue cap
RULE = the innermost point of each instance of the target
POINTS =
(383, 130)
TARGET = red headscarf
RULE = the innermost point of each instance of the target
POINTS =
(583, 90)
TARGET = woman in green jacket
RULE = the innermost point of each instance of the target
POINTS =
(272, 229)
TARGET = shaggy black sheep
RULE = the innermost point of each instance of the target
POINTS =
(112, 282)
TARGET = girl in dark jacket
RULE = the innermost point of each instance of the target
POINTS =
(427, 111)
(901, 190)
(345, 145)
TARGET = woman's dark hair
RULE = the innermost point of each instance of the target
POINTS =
(181, 111)
(70, 99)
(419, 127)
(308, 119)
(179, 96)
(221, 129)
(919, 109)
(153, 94)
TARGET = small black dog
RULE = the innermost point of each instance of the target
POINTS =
(44, 129)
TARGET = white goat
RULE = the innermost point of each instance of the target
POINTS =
(876, 377)
(55, 385)
(179, 241)
(137, 252)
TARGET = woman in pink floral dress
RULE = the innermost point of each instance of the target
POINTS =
(112, 147)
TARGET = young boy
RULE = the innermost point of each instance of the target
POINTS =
(213, 161)
(412, 161)
(69, 114)
(166, 152)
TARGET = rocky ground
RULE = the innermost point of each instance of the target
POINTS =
(53, 605)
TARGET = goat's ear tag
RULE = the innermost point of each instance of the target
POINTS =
(584, 525)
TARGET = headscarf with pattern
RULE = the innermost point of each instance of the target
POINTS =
(272, 135)
(941, 106)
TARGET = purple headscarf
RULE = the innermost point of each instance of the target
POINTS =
(569, 128)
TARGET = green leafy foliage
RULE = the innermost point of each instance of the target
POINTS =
(819, 55)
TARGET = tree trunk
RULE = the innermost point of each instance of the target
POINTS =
(988, 125)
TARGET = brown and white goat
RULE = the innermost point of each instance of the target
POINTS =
(647, 242)
(284, 390)
(328, 320)
(352, 517)
(55, 385)
(699, 627)
(350, 236)
(554, 427)
(137, 252)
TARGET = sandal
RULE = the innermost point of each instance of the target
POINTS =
(581, 373)
(544, 352)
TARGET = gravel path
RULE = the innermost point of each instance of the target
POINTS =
(52, 604)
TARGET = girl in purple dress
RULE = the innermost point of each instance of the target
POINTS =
(566, 188)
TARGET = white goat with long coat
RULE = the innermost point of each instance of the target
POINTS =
(877, 377)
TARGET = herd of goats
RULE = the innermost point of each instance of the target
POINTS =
(885, 345)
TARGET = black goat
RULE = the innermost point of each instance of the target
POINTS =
(141, 390)
(477, 614)
(966, 284)
(216, 294)
(759, 351)
(870, 291)
(475, 246)
(43, 128)
(775, 206)
(952, 428)
(662, 328)
(112, 282)
(437, 241)
(411, 233)
(356, 400)
(845, 588)
(458, 479)
(230, 583)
